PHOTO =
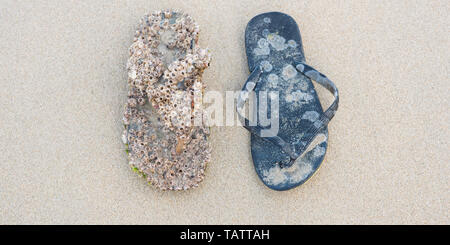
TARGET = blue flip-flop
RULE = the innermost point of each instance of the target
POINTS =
(288, 140)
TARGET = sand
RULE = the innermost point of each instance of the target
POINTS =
(63, 86)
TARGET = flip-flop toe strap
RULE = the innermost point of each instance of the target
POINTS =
(323, 80)
(325, 117)
(294, 151)
(248, 87)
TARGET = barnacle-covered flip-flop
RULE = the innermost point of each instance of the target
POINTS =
(289, 151)
(165, 68)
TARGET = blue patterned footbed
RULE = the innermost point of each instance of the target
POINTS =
(274, 43)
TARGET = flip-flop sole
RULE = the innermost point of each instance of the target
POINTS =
(273, 40)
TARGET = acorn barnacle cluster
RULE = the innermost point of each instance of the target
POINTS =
(166, 140)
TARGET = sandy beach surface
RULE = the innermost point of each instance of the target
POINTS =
(63, 87)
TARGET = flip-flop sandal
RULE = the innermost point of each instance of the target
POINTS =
(164, 76)
(288, 157)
